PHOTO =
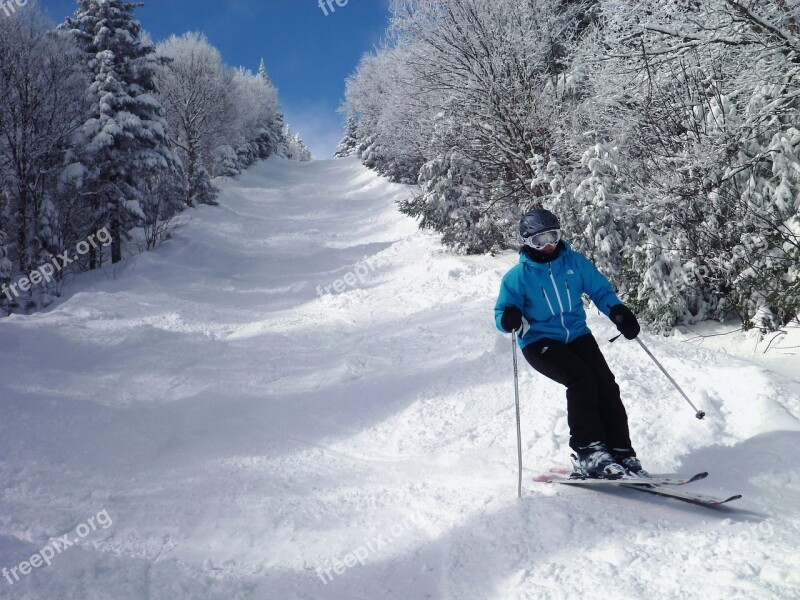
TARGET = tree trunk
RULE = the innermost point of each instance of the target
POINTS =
(116, 238)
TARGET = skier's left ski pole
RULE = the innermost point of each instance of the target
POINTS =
(516, 399)
(697, 413)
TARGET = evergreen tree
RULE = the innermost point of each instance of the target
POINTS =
(296, 148)
(125, 139)
(262, 72)
(349, 144)
(272, 142)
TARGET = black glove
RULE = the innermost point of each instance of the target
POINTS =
(625, 321)
(511, 319)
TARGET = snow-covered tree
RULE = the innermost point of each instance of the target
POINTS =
(272, 142)
(161, 200)
(221, 119)
(43, 88)
(390, 115)
(601, 220)
(712, 89)
(661, 132)
(126, 135)
(349, 144)
(492, 70)
(196, 89)
(296, 149)
(258, 116)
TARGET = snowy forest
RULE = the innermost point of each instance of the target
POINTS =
(103, 130)
(663, 133)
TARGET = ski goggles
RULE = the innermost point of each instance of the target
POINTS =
(542, 239)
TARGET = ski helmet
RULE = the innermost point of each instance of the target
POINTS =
(536, 222)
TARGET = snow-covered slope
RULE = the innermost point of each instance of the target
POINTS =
(237, 431)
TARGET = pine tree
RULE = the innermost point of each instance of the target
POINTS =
(273, 140)
(349, 144)
(296, 148)
(126, 136)
(262, 72)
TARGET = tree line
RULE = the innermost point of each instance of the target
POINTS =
(665, 134)
(101, 129)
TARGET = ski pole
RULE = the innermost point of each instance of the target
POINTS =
(697, 413)
(516, 399)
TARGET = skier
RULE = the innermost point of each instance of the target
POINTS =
(546, 288)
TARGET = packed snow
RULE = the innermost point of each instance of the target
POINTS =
(300, 395)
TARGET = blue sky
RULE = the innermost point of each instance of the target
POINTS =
(308, 54)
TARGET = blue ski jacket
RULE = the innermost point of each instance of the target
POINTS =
(550, 295)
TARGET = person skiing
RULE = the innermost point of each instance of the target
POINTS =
(545, 288)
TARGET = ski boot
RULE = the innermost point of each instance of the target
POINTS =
(595, 462)
(626, 457)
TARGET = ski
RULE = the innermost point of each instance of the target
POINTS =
(685, 495)
(625, 481)
(660, 486)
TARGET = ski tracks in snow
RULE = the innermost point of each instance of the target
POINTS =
(300, 380)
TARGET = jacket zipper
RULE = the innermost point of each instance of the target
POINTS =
(569, 295)
(548, 302)
(560, 304)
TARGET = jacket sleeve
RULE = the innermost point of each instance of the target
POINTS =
(595, 284)
(511, 294)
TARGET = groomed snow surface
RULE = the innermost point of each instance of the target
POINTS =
(249, 434)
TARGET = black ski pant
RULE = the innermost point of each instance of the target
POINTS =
(595, 412)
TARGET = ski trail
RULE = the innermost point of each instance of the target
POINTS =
(302, 396)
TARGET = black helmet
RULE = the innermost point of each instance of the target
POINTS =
(537, 221)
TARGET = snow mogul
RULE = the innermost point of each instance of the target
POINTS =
(541, 300)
